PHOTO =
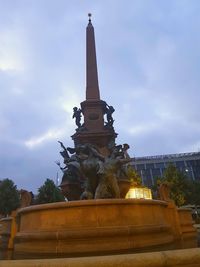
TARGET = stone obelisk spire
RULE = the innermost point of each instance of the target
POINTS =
(92, 85)
(94, 130)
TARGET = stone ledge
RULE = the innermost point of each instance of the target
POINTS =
(93, 232)
(175, 258)
(91, 202)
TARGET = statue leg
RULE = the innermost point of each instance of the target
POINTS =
(107, 188)
(86, 195)
(115, 188)
(89, 189)
(102, 190)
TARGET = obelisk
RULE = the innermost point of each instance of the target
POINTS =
(94, 130)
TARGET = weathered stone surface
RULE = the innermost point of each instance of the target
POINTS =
(183, 258)
(95, 227)
(189, 232)
(7, 233)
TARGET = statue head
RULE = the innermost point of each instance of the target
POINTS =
(126, 147)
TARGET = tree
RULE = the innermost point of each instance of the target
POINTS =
(49, 193)
(178, 183)
(9, 197)
(193, 193)
(133, 176)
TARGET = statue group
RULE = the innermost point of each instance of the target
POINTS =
(107, 110)
(87, 173)
(94, 174)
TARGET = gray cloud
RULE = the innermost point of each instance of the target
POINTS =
(148, 59)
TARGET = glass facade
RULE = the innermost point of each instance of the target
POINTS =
(160, 165)
(180, 164)
(140, 167)
(156, 173)
(152, 167)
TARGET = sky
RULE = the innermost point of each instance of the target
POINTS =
(148, 54)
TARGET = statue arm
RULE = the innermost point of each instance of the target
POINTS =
(96, 153)
(124, 161)
(62, 145)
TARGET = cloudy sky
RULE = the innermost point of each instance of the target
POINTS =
(148, 54)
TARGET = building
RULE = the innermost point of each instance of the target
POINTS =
(152, 167)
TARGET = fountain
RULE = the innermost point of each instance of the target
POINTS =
(97, 219)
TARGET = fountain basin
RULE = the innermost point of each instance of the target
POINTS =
(93, 227)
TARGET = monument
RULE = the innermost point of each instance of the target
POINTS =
(96, 160)
(101, 222)
(94, 130)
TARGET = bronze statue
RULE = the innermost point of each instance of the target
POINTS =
(77, 116)
(125, 151)
(72, 179)
(109, 113)
(123, 154)
(99, 173)
(108, 185)
(64, 153)
(108, 110)
(91, 162)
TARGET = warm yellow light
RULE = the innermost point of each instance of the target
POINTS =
(139, 192)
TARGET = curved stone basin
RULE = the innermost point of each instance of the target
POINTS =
(92, 227)
(5, 232)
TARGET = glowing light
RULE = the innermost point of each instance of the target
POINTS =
(139, 192)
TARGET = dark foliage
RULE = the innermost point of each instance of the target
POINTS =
(178, 184)
(9, 197)
(49, 193)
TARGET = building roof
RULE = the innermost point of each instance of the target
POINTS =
(169, 157)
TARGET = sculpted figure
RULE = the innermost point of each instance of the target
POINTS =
(72, 179)
(108, 185)
(64, 153)
(91, 162)
(120, 152)
(123, 172)
(77, 116)
(99, 173)
(125, 151)
(164, 191)
(25, 198)
(109, 111)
